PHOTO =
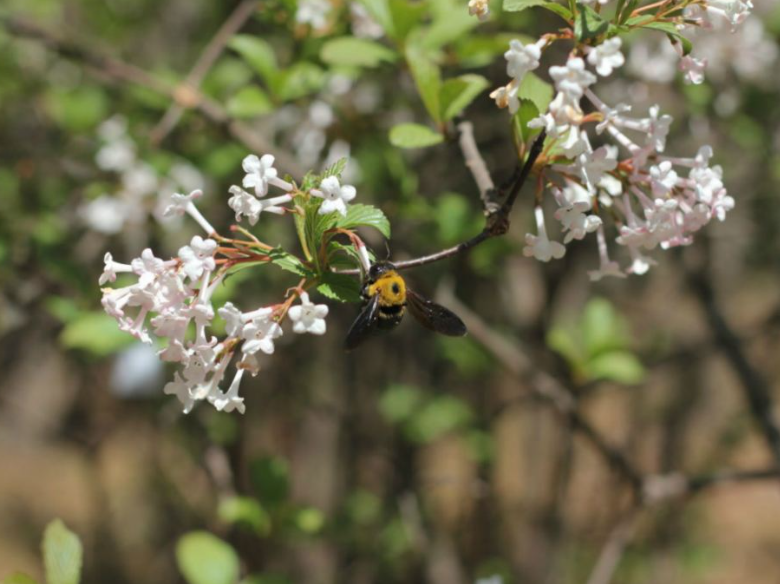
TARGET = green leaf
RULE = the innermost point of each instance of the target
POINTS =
(300, 80)
(259, 55)
(603, 328)
(269, 477)
(406, 15)
(476, 50)
(456, 94)
(249, 102)
(414, 136)
(588, 24)
(309, 520)
(266, 579)
(674, 34)
(339, 287)
(399, 402)
(365, 216)
(95, 332)
(245, 511)
(427, 77)
(379, 10)
(520, 5)
(441, 415)
(19, 578)
(62, 554)
(205, 559)
(288, 262)
(335, 169)
(77, 109)
(355, 52)
(619, 366)
(449, 27)
(558, 9)
(525, 113)
(536, 90)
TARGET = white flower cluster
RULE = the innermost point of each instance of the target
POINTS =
(172, 299)
(655, 200)
(139, 182)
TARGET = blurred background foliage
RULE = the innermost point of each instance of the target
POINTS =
(416, 458)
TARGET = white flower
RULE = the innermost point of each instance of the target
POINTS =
(520, 58)
(117, 155)
(732, 11)
(606, 266)
(230, 400)
(363, 26)
(234, 323)
(479, 8)
(593, 165)
(335, 196)
(607, 56)
(179, 203)
(111, 269)
(259, 171)
(198, 257)
(105, 214)
(313, 12)
(308, 317)
(693, 69)
(259, 333)
(539, 246)
(572, 79)
(246, 204)
(181, 390)
(575, 222)
(662, 178)
(657, 128)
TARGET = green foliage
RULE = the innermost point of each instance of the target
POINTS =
(246, 512)
(427, 78)
(520, 5)
(259, 55)
(597, 346)
(671, 30)
(355, 52)
(19, 578)
(205, 559)
(536, 90)
(588, 23)
(270, 479)
(339, 287)
(364, 216)
(96, 333)
(414, 136)
(457, 93)
(249, 102)
(308, 520)
(62, 554)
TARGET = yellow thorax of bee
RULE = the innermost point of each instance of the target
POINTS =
(391, 289)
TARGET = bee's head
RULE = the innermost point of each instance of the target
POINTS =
(378, 269)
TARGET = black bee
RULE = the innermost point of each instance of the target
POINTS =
(385, 298)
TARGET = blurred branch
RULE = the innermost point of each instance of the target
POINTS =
(183, 95)
(208, 57)
(549, 389)
(476, 164)
(755, 387)
(613, 549)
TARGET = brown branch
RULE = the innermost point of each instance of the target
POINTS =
(549, 389)
(476, 164)
(114, 69)
(614, 548)
(208, 57)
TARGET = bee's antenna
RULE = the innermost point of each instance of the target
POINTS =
(387, 249)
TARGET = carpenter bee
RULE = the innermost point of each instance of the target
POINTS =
(385, 298)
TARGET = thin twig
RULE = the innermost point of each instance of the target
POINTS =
(756, 389)
(476, 164)
(614, 548)
(208, 57)
(546, 387)
(114, 69)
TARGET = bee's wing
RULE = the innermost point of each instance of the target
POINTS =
(434, 316)
(364, 324)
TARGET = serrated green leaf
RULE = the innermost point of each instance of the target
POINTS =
(365, 216)
(414, 136)
(259, 55)
(536, 90)
(456, 94)
(674, 34)
(205, 559)
(288, 262)
(619, 366)
(339, 287)
(355, 52)
(249, 102)
(95, 332)
(62, 554)
(247, 512)
(588, 23)
(335, 169)
(427, 77)
(520, 5)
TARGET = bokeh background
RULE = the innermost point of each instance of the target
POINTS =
(513, 452)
